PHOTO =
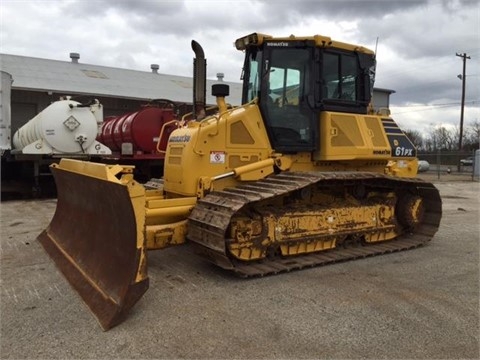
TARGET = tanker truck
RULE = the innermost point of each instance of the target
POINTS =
(68, 128)
(65, 127)
(139, 138)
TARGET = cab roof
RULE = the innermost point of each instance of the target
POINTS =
(257, 39)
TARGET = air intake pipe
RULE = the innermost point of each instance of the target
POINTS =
(199, 81)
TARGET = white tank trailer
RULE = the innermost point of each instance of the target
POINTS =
(64, 127)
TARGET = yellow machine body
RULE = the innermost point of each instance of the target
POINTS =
(299, 174)
(236, 138)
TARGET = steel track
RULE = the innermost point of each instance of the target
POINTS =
(209, 221)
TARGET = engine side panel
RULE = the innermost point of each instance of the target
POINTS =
(356, 136)
(213, 147)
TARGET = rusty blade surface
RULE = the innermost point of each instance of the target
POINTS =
(92, 240)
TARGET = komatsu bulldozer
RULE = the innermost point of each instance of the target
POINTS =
(304, 173)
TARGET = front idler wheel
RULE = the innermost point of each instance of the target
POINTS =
(410, 211)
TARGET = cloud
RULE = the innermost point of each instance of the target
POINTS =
(348, 8)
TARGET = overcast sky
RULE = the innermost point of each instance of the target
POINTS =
(416, 55)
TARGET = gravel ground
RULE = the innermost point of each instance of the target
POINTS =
(419, 304)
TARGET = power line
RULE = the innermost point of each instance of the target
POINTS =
(430, 107)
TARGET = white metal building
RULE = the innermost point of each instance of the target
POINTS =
(36, 83)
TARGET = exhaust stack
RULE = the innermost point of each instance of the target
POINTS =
(199, 81)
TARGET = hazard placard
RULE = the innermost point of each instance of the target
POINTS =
(217, 157)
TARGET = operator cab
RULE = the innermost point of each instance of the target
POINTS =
(295, 79)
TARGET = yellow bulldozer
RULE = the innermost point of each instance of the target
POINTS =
(304, 173)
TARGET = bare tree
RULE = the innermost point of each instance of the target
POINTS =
(472, 136)
(446, 139)
(429, 143)
(416, 138)
(441, 138)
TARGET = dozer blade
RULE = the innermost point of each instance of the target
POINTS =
(96, 237)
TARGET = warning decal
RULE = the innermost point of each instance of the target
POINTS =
(217, 157)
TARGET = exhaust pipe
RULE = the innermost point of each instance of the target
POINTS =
(199, 81)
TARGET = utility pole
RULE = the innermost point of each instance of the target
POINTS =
(463, 78)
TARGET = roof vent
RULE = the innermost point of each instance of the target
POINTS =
(220, 76)
(154, 68)
(74, 57)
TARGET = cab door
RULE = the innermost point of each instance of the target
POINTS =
(287, 86)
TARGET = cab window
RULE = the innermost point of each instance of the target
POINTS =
(340, 77)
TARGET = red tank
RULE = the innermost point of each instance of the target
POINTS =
(141, 129)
